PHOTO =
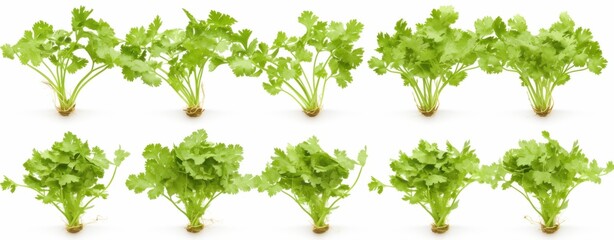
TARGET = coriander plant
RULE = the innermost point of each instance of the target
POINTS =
(57, 55)
(429, 57)
(191, 175)
(312, 178)
(545, 174)
(301, 66)
(544, 60)
(434, 178)
(67, 177)
(180, 57)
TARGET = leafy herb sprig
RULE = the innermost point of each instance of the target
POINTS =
(429, 57)
(312, 178)
(545, 174)
(434, 178)
(67, 176)
(192, 174)
(180, 57)
(301, 66)
(57, 55)
(544, 60)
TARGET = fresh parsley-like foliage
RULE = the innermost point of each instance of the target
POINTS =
(58, 54)
(180, 57)
(67, 176)
(192, 174)
(542, 61)
(545, 174)
(430, 57)
(311, 177)
(301, 66)
(434, 178)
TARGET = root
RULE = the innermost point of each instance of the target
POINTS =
(543, 112)
(440, 229)
(428, 113)
(194, 111)
(549, 230)
(312, 113)
(74, 229)
(66, 112)
(195, 229)
(320, 230)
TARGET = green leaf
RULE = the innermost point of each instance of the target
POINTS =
(120, 156)
(455, 79)
(483, 27)
(518, 23)
(76, 64)
(596, 65)
(362, 157)
(79, 17)
(541, 177)
(65, 179)
(376, 185)
(308, 19)
(138, 183)
(221, 19)
(241, 67)
(432, 179)
(8, 51)
(379, 66)
(8, 184)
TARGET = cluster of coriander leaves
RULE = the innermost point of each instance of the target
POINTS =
(544, 60)
(310, 176)
(301, 66)
(192, 174)
(57, 54)
(430, 57)
(434, 178)
(67, 175)
(548, 173)
(180, 57)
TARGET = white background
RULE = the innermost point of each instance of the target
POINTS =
(491, 110)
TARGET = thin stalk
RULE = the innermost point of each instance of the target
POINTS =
(297, 202)
(42, 194)
(105, 188)
(332, 205)
(526, 196)
(174, 204)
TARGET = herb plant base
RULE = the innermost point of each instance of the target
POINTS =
(544, 112)
(549, 230)
(195, 228)
(312, 113)
(65, 112)
(74, 229)
(320, 230)
(428, 113)
(440, 229)
(194, 111)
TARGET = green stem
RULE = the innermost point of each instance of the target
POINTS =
(297, 202)
(174, 204)
(105, 187)
(526, 196)
(40, 193)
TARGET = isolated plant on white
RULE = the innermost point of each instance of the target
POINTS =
(67, 176)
